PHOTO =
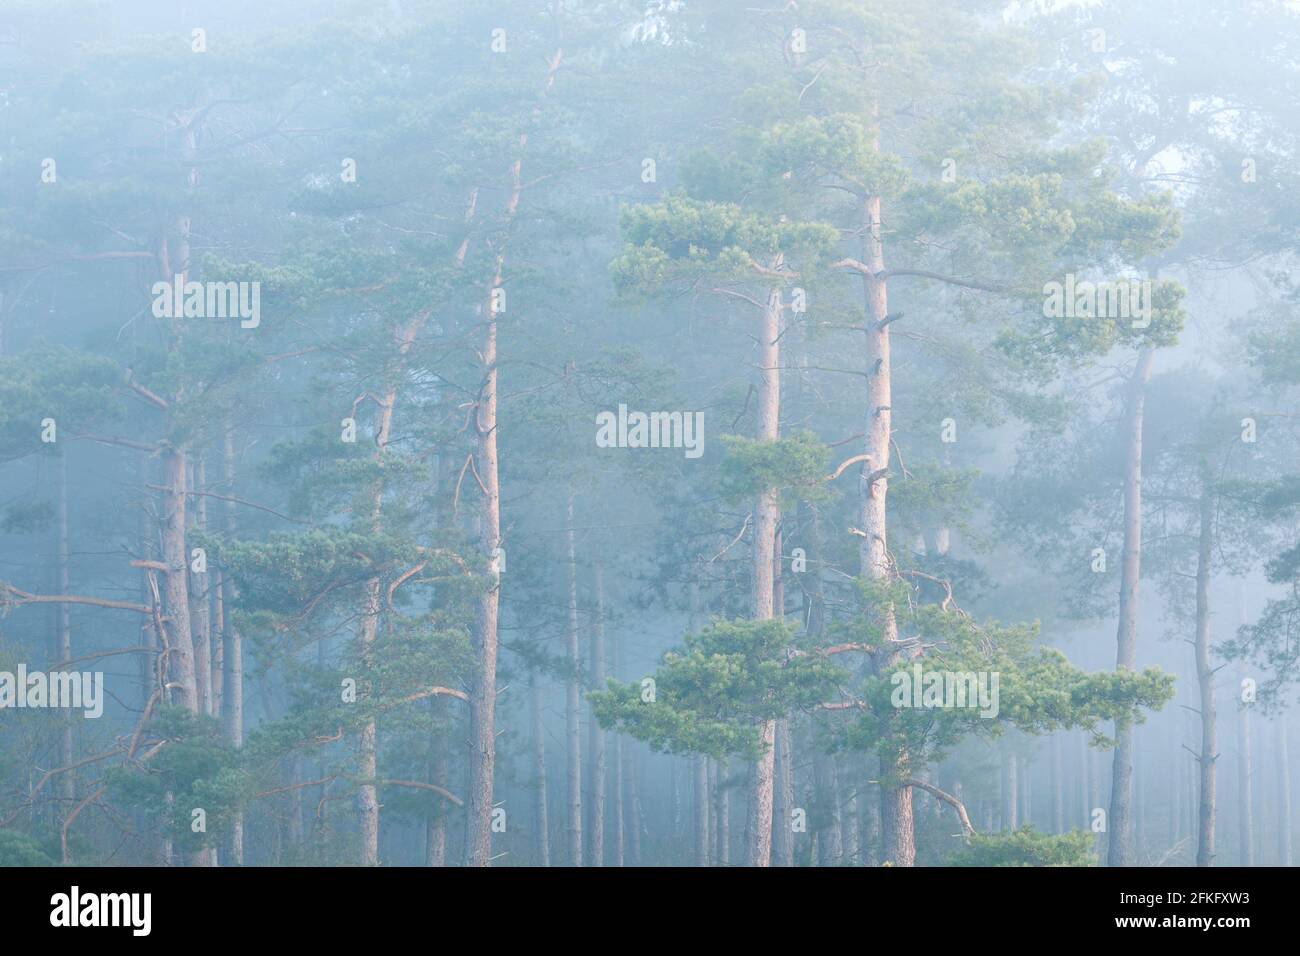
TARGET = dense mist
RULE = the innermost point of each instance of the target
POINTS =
(844, 433)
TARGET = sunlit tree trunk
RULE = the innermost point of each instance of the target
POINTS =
(1120, 819)
(898, 838)
(767, 513)
(483, 691)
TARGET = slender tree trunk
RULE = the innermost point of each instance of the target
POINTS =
(596, 824)
(676, 831)
(1026, 794)
(758, 829)
(634, 818)
(67, 780)
(782, 834)
(701, 785)
(176, 577)
(151, 677)
(176, 580)
(1283, 766)
(1120, 818)
(898, 838)
(1208, 806)
(435, 830)
(1010, 791)
(1058, 787)
(1175, 777)
(830, 834)
(541, 819)
(1246, 794)
(620, 835)
(1084, 817)
(233, 656)
(715, 820)
(850, 835)
(483, 692)
(573, 700)
(367, 753)
(200, 596)
(783, 796)
(722, 814)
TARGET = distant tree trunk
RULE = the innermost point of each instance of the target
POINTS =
(675, 803)
(295, 801)
(541, 820)
(1208, 806)
(870, 809)
(1283, 766)
(783, 796)
(200, 595)
(1026, 794)
(67, 780)
(150, 677)
(1010, 791)
(782, 834)
(573, 700)
(620, 834)
(814, 600)
(1084, 818)
(233, 655)
(722, 814)
(634, 810)
(1120, 818)
(1058, 787)
(850, 836)
(830, 840)
(596, 742)
(1175, 777)
(435, 829)
(701, 794)
(1246, 797)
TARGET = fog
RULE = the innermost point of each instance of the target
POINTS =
(652, 433)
